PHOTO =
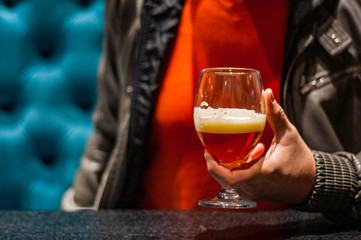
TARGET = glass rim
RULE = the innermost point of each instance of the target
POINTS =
(229, 69)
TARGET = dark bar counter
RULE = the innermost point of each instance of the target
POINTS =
(155, 224)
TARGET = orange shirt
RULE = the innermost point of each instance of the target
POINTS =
(217, 33)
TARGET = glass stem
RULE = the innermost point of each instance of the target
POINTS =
(228, 194)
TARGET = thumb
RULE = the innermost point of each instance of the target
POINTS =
(276, 116)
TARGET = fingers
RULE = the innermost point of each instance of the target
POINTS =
(219, 173)
(236, 178)
(275, 114)
(212, 162)
(257, 151)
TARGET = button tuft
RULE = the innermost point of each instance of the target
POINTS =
(47, 160)
(84, 3)
(10, 3)
(7, 107)
(46, 53)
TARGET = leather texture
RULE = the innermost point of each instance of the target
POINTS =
(114, 158)
(49, 56)
(322, 94)
(322, 97)
(128, 86)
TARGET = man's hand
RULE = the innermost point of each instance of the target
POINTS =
(284, 175)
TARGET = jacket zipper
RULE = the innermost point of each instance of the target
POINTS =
(323, 79)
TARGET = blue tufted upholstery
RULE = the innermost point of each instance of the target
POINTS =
(49, 54)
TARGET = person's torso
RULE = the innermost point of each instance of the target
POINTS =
(220, 33)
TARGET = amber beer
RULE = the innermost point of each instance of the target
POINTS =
(229, 134)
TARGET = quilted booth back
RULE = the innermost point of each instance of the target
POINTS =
(49, 55)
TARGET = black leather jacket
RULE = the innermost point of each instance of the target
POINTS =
(321, 94)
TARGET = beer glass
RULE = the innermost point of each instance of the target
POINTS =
(229, 118)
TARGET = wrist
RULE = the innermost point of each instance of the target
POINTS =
(335, 184)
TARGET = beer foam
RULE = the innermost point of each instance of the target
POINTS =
(228, 120)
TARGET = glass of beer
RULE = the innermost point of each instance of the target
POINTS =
(229, 117)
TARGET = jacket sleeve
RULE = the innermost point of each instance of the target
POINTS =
(337, 190)
(97, 152)
(100, 145)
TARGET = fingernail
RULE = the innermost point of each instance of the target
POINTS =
(269, 90)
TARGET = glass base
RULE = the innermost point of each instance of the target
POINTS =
(227, 198)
